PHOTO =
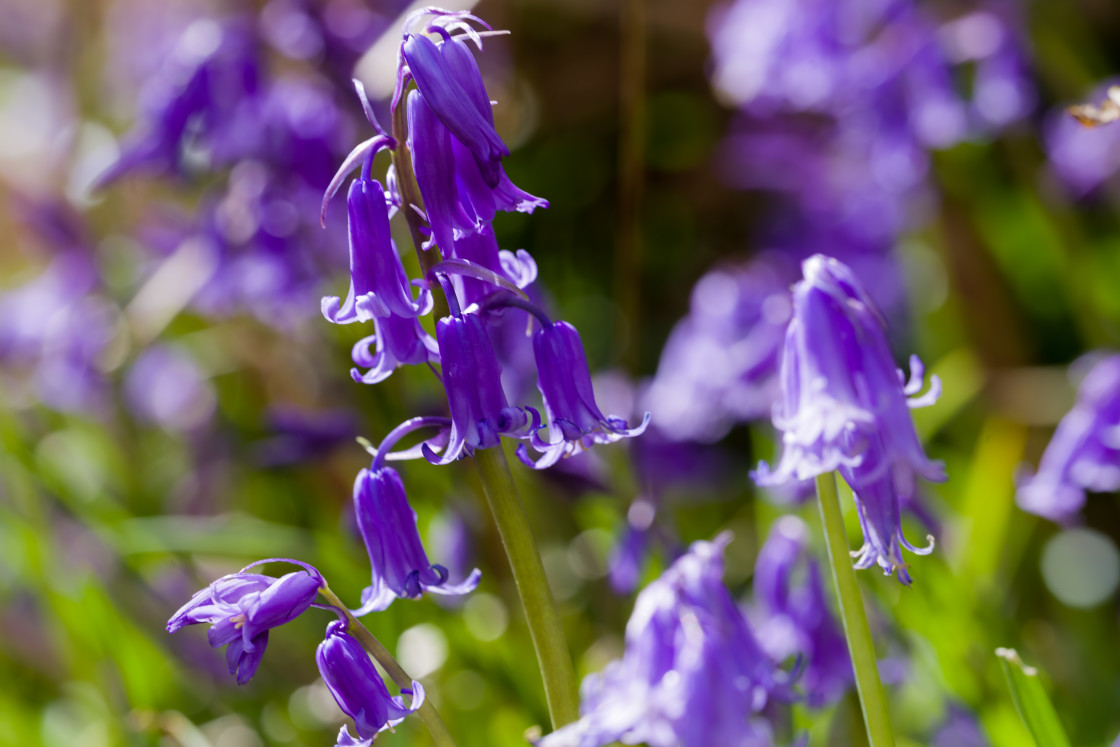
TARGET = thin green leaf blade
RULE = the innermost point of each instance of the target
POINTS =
(1031, 701)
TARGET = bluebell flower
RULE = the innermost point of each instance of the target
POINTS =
(434, 164)
(242, 607)
(846, 407)
(482, 200)
(795, 616)
(693, 674)
(449, 79)
(396, 341)
(358, 688)
(388, 527)
(574, 419)
(472, 378)
(1084, 453)
(378, 283)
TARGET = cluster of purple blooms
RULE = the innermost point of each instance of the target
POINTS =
(452, 149)
(839, 105)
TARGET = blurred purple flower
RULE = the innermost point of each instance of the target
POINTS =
(301, 436)
(165, 387)
(1082, 157)
(388, 526)
(358, 688)
(242, 607)
(845, 407)
(693, 673)
(872, 60)
(53, 331)
(195, 99)
(959, 729)
(720, 364)
(796, 618)
(1084, 454)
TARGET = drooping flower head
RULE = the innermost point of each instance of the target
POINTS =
(449, 80)
(379, 286)
(693, 674)
(574, 419)
(242, 607)
(796, 619)
(388, 527)
(480, 413)
(1084, 454)
(844, 406)
(358, 688)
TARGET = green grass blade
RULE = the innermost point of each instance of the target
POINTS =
(1031, 701)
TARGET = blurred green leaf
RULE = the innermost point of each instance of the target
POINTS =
(1031, 701)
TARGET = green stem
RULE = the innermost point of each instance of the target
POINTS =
(427, 712)
(559, 676)
(872, 699)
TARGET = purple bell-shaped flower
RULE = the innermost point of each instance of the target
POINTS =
(574, 419)
(379, 286)
(388, 527)
(472, 377)
(358, 688)
(845, 407)
(693, 673)
(243, 607)
(450, 81)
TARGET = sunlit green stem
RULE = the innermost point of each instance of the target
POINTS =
(536, 597)
(427, 712)
(872, 699)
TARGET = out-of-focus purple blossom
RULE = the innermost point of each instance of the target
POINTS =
(871, 58)
(165, 387)
(575, 422)
(210, 76)
(53, 331)
(845, 407)
(242, 607)
(449, 80)
(300, 436)
(1084, 454)
(720, 364)
(1082, 157)
(693, 673)
(959, 729)
(388, 526)
(795, 618)
(358, 688)
(480, 413)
